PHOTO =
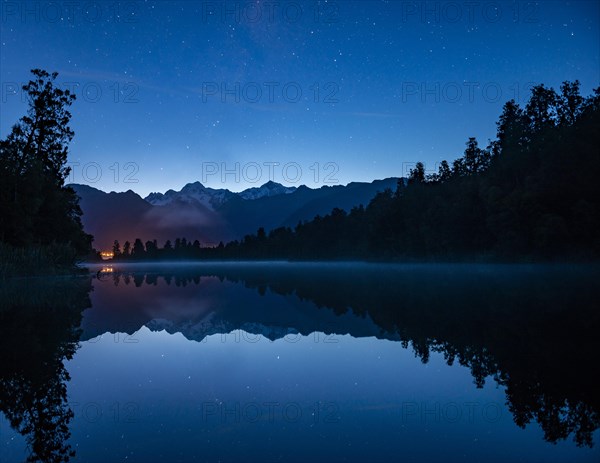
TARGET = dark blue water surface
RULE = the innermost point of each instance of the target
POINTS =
(296, 362)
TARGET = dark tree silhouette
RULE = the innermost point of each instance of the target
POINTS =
(35, 206)
(126, 249)
(444, 173)
(417, 175)
(570, 103)
(512, 129)
(541, 108)
(116, 250)
(138, 251)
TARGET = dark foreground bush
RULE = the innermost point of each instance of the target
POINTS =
(52, 259)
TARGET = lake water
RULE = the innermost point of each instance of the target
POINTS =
(296, 362)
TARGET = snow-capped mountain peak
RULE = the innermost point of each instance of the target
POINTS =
(196, 193)
(192, 193)
(270, 188)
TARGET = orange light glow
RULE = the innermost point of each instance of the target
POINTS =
(105, 255)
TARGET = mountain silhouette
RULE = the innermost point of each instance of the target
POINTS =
(212, 215)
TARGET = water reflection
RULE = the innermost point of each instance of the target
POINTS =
(39, 322)
(529, 329)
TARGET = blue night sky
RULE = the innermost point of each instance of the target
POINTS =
(175, 92)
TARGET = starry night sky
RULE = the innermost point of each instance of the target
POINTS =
(383, 84)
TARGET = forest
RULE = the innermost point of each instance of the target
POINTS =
(529, 195)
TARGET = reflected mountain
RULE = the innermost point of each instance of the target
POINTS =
(39, 321)
(218, 300)
(529, 328)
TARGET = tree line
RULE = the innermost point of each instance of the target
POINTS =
(529, 194)
(181, 248)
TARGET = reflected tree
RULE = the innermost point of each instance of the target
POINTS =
(531, 332)
(38, 333)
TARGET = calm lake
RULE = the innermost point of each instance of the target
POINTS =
(298, 361)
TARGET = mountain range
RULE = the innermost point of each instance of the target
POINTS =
(212, 215)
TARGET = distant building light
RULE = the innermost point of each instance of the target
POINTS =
(106, 255)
